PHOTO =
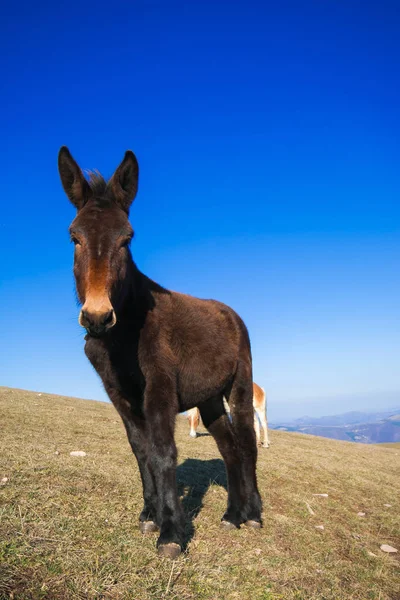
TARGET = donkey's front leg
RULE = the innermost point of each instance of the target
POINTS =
(135, 425)
(135, 428)
(160, 408)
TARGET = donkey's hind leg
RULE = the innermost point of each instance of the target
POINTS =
(217, 422)
(242, 411)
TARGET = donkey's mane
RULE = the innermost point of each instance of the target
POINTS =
(97, 183)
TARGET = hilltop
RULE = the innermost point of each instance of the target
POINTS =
(68, 525)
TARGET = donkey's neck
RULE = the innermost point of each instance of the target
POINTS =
(139, 296)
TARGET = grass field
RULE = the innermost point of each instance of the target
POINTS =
(68, 525)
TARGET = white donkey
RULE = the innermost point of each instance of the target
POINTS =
(260, 416)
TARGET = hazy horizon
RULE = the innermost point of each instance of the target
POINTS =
(287, 411)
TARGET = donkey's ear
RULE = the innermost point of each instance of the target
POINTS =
(74, 183)
(124, 182)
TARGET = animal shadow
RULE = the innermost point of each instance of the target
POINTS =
(194, 477)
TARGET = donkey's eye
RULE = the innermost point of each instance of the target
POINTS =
(75, 240)
(125, 242)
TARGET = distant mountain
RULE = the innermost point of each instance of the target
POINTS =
(365, 428)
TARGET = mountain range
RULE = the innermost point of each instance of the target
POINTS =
(365, 428)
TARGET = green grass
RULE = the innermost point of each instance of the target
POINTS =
(68, 526)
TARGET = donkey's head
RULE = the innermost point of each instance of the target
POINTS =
(101, 234)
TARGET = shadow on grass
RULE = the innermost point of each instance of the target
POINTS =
(194, 477)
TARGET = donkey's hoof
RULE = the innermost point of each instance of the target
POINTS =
(253, 524)
(265, 445)
(171, 550)
(227, 525)
(148, 526)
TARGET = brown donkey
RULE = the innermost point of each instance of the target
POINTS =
(159, 353)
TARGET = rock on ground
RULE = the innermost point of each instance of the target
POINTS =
(387, 548)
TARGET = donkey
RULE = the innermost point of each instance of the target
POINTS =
(159, 353)
(259, 405)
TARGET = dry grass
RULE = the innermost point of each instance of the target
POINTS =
(68, 526)
(391, 445)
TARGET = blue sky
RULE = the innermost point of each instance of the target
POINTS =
(268, 141)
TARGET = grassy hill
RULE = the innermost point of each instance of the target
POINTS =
(68, 525)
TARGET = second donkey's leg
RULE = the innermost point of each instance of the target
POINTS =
(263, 418)
(257, 427)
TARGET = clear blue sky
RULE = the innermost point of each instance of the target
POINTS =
(268, 137)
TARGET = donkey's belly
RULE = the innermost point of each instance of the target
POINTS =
(202, 379)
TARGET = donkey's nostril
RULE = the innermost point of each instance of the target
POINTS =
(84, 318)
(107, 318)
(96, 323)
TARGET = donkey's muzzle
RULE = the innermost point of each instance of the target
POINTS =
(97, 323)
